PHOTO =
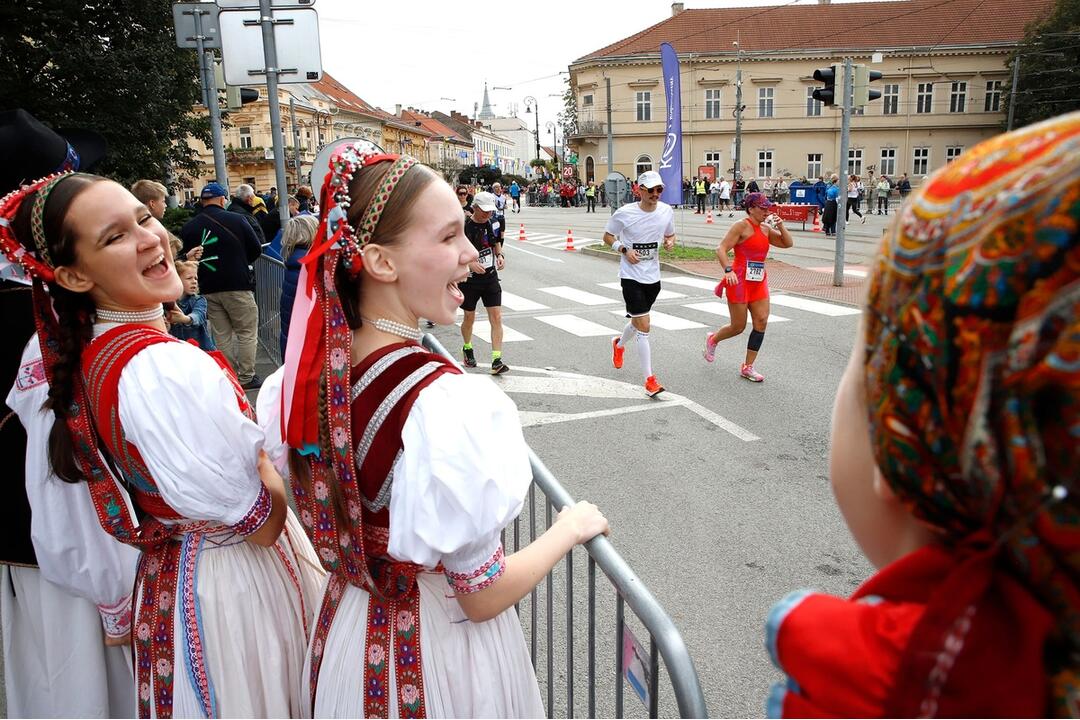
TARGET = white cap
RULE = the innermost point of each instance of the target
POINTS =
(484, 201)
(649, 179)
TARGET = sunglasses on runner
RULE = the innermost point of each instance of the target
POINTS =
(658, 189)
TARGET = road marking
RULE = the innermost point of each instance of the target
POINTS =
(560, 241)
(577, 326)
(516, 302)
(718, 308)
(859, 271)
(696, 282)
(482, 330)
(578, 296)
(664, 294)
(814, 306)
(555, 382)
(542, 257)
(665, 321)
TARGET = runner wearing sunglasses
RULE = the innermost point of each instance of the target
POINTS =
(635, 231)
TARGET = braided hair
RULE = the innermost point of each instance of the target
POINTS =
(74, 315)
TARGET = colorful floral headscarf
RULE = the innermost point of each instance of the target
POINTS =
(973, 362)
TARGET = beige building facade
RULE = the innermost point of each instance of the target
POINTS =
(939, 98)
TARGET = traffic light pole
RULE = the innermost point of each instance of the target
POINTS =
(266, 19)
(845, 139)
(206, 72)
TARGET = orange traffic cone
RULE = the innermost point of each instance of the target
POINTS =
(569, 241)
(708, 218)
(817, 222)
(521, 233)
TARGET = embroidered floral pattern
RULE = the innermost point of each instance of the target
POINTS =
(194, 657)
(257, 515)
(116, 619)
(482, 577)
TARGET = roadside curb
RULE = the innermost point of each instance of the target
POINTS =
(670, 267)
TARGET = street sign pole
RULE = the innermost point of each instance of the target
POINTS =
(266, 18)
(845, 139)
(207, 81)
(215, 118)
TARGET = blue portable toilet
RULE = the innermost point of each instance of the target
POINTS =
(801, 193)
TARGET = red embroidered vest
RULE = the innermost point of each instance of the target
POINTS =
(383, 389)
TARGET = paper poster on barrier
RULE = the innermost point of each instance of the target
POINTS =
(635, 665)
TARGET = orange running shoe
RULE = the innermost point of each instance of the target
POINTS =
(616, 353)
(653, 386)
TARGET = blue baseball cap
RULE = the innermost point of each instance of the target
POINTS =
(213, 190)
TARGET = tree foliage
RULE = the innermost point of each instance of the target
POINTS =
(111, 66)
(1049, 55)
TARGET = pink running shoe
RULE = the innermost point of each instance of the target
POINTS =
(751, 374)
(710, 348)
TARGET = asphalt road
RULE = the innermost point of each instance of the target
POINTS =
(717, 490)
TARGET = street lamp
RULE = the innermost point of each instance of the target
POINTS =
(552, 127)
(531, 108)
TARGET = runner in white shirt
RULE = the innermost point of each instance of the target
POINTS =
(635, 230)
(725, 196)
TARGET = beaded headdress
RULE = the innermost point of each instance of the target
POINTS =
(33, 260)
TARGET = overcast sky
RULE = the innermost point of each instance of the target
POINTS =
(418, 52)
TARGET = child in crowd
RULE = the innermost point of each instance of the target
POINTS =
(187, 320)
(955, 455)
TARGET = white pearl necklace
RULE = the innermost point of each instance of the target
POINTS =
(393, 327)
(121, 316)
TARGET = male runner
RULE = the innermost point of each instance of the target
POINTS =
(499, 221)
(483, 281)
(635, 230)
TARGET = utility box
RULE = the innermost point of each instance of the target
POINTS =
(615, 187)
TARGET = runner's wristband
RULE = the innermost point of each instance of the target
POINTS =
(617, 246)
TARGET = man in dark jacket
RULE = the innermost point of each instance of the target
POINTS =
(229, 245)
(242, 204)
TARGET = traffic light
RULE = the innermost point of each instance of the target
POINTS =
(829, 76)
(861, 91)
(239, 96)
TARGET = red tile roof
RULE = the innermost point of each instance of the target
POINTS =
(861, 25)
(432, 125)
(340, 95)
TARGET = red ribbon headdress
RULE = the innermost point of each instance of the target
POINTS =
(319, 349)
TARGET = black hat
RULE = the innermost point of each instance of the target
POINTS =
(30, 150)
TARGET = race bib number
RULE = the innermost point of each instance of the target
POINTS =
(645, 251)
(495, 226)
(487, 259)
(755, 271)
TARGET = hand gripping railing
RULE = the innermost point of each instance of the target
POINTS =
(664, 639)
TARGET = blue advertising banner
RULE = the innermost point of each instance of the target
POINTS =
(671, 157)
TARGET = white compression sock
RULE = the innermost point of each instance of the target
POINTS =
(644, 353)
(626, 333)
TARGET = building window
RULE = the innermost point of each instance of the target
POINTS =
(245, 138)
(813, 165)
(958, 97)
(644, 106)
(993, 96)
(644, 164)
(712, 104)
(712, 157)
(813, 107)
(586, 100)
(854, 161)
(765, 97)
(952, 152)
(920, 161)
(890, 96)
(888, 162)
(925, 98)
(764, 163)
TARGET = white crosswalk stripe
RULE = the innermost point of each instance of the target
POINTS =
(814, 306)
(578, 296)
(720, 308)
(665, 321)
(482, 330)
(516, 302)
(688, 281)
(664, 294)
(576, 326)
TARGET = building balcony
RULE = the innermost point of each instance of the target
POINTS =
(246, 155)
(588, 129)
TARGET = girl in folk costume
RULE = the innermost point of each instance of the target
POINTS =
(405, 469)
(955, 456)
(225, 583)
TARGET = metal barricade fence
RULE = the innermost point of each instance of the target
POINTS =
(664, 641)
(269, 274)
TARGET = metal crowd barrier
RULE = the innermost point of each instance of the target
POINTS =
(269, 274)
(664, 640)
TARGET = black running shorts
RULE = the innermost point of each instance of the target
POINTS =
(639, 297)
(490, 291)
